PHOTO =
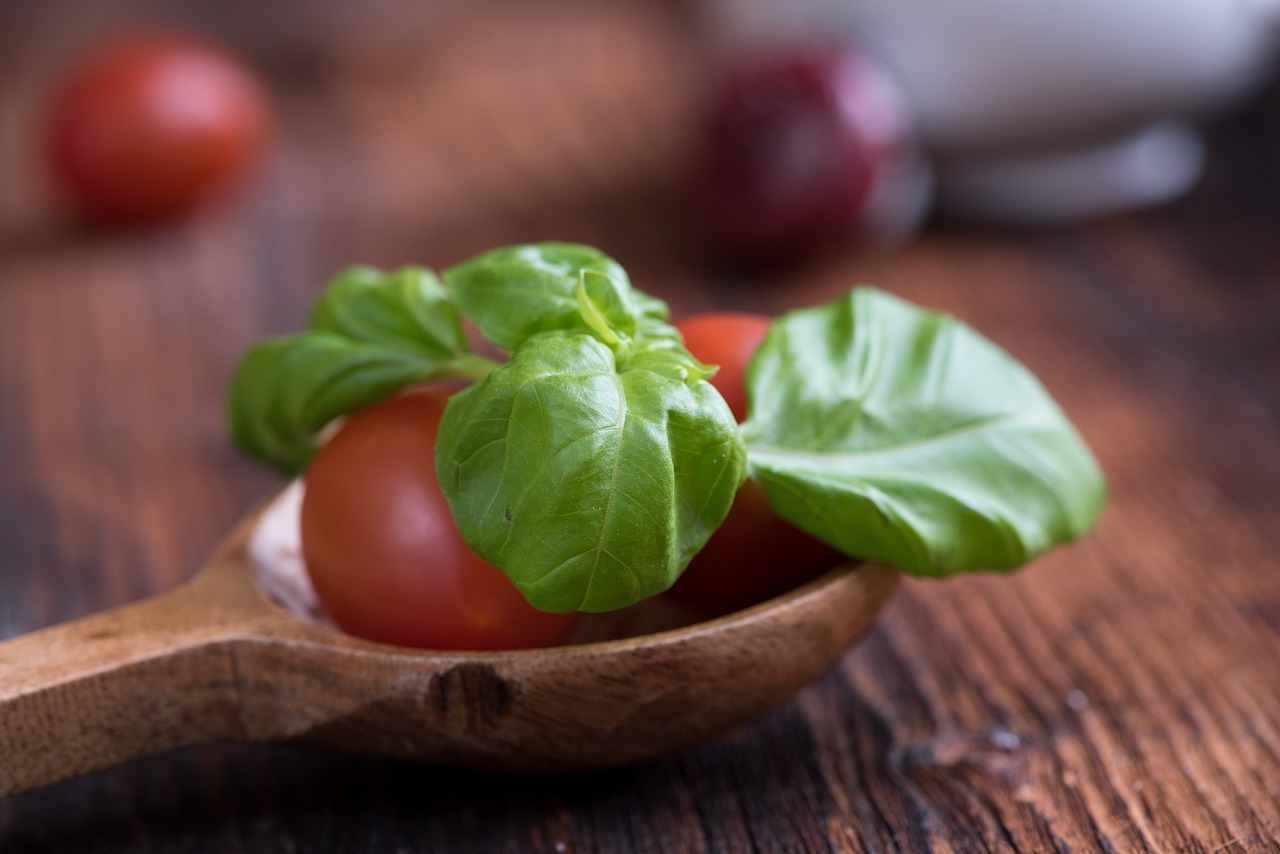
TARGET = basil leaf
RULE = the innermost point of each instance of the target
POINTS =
(407, 309)
(517, 292)
(590, 487)
(661, 349)
(899, 435)
(372, 335)
(286, 390)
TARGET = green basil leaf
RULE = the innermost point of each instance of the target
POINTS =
(517, 292)
(660, 349)
(590, 487)
(372, 335)
(407, 309)
(899, 435)
(286, 390)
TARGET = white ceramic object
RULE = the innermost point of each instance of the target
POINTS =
(1044, 110)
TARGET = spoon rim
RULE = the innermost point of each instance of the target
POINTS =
(849, 571)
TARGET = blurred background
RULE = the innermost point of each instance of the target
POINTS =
(407, 130)
(429, 130)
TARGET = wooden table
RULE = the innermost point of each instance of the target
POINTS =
(1120, 695)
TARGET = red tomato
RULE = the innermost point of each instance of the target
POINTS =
(755, 555)
(151, 125)
(726, 339)
(382, 550)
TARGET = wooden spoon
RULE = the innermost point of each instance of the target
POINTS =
(216, 659)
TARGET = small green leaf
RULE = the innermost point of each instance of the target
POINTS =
(596, 317)
(286, 390)
(589, 487)
(899, 435)
(407, 309)
(661, 350)
(517, 292)
(373, 334)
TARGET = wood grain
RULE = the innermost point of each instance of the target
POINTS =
(1119, 695)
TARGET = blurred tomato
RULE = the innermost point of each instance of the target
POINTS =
(151, 125)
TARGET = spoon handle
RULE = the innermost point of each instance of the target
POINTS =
(114, 686)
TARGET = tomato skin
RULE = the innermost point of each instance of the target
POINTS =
(755, 555)
(151, 125)
(726, 339)
(382, 550)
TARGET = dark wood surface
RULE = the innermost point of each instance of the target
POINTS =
(1120, 695)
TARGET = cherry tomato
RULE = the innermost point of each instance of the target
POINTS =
(727, 339)
(755, 555)
(152, 125)
(382, 550)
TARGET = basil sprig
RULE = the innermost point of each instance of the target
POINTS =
(590, 467)
(594, 462)
(900, 435)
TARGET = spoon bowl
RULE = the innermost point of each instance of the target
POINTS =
(217, 660)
